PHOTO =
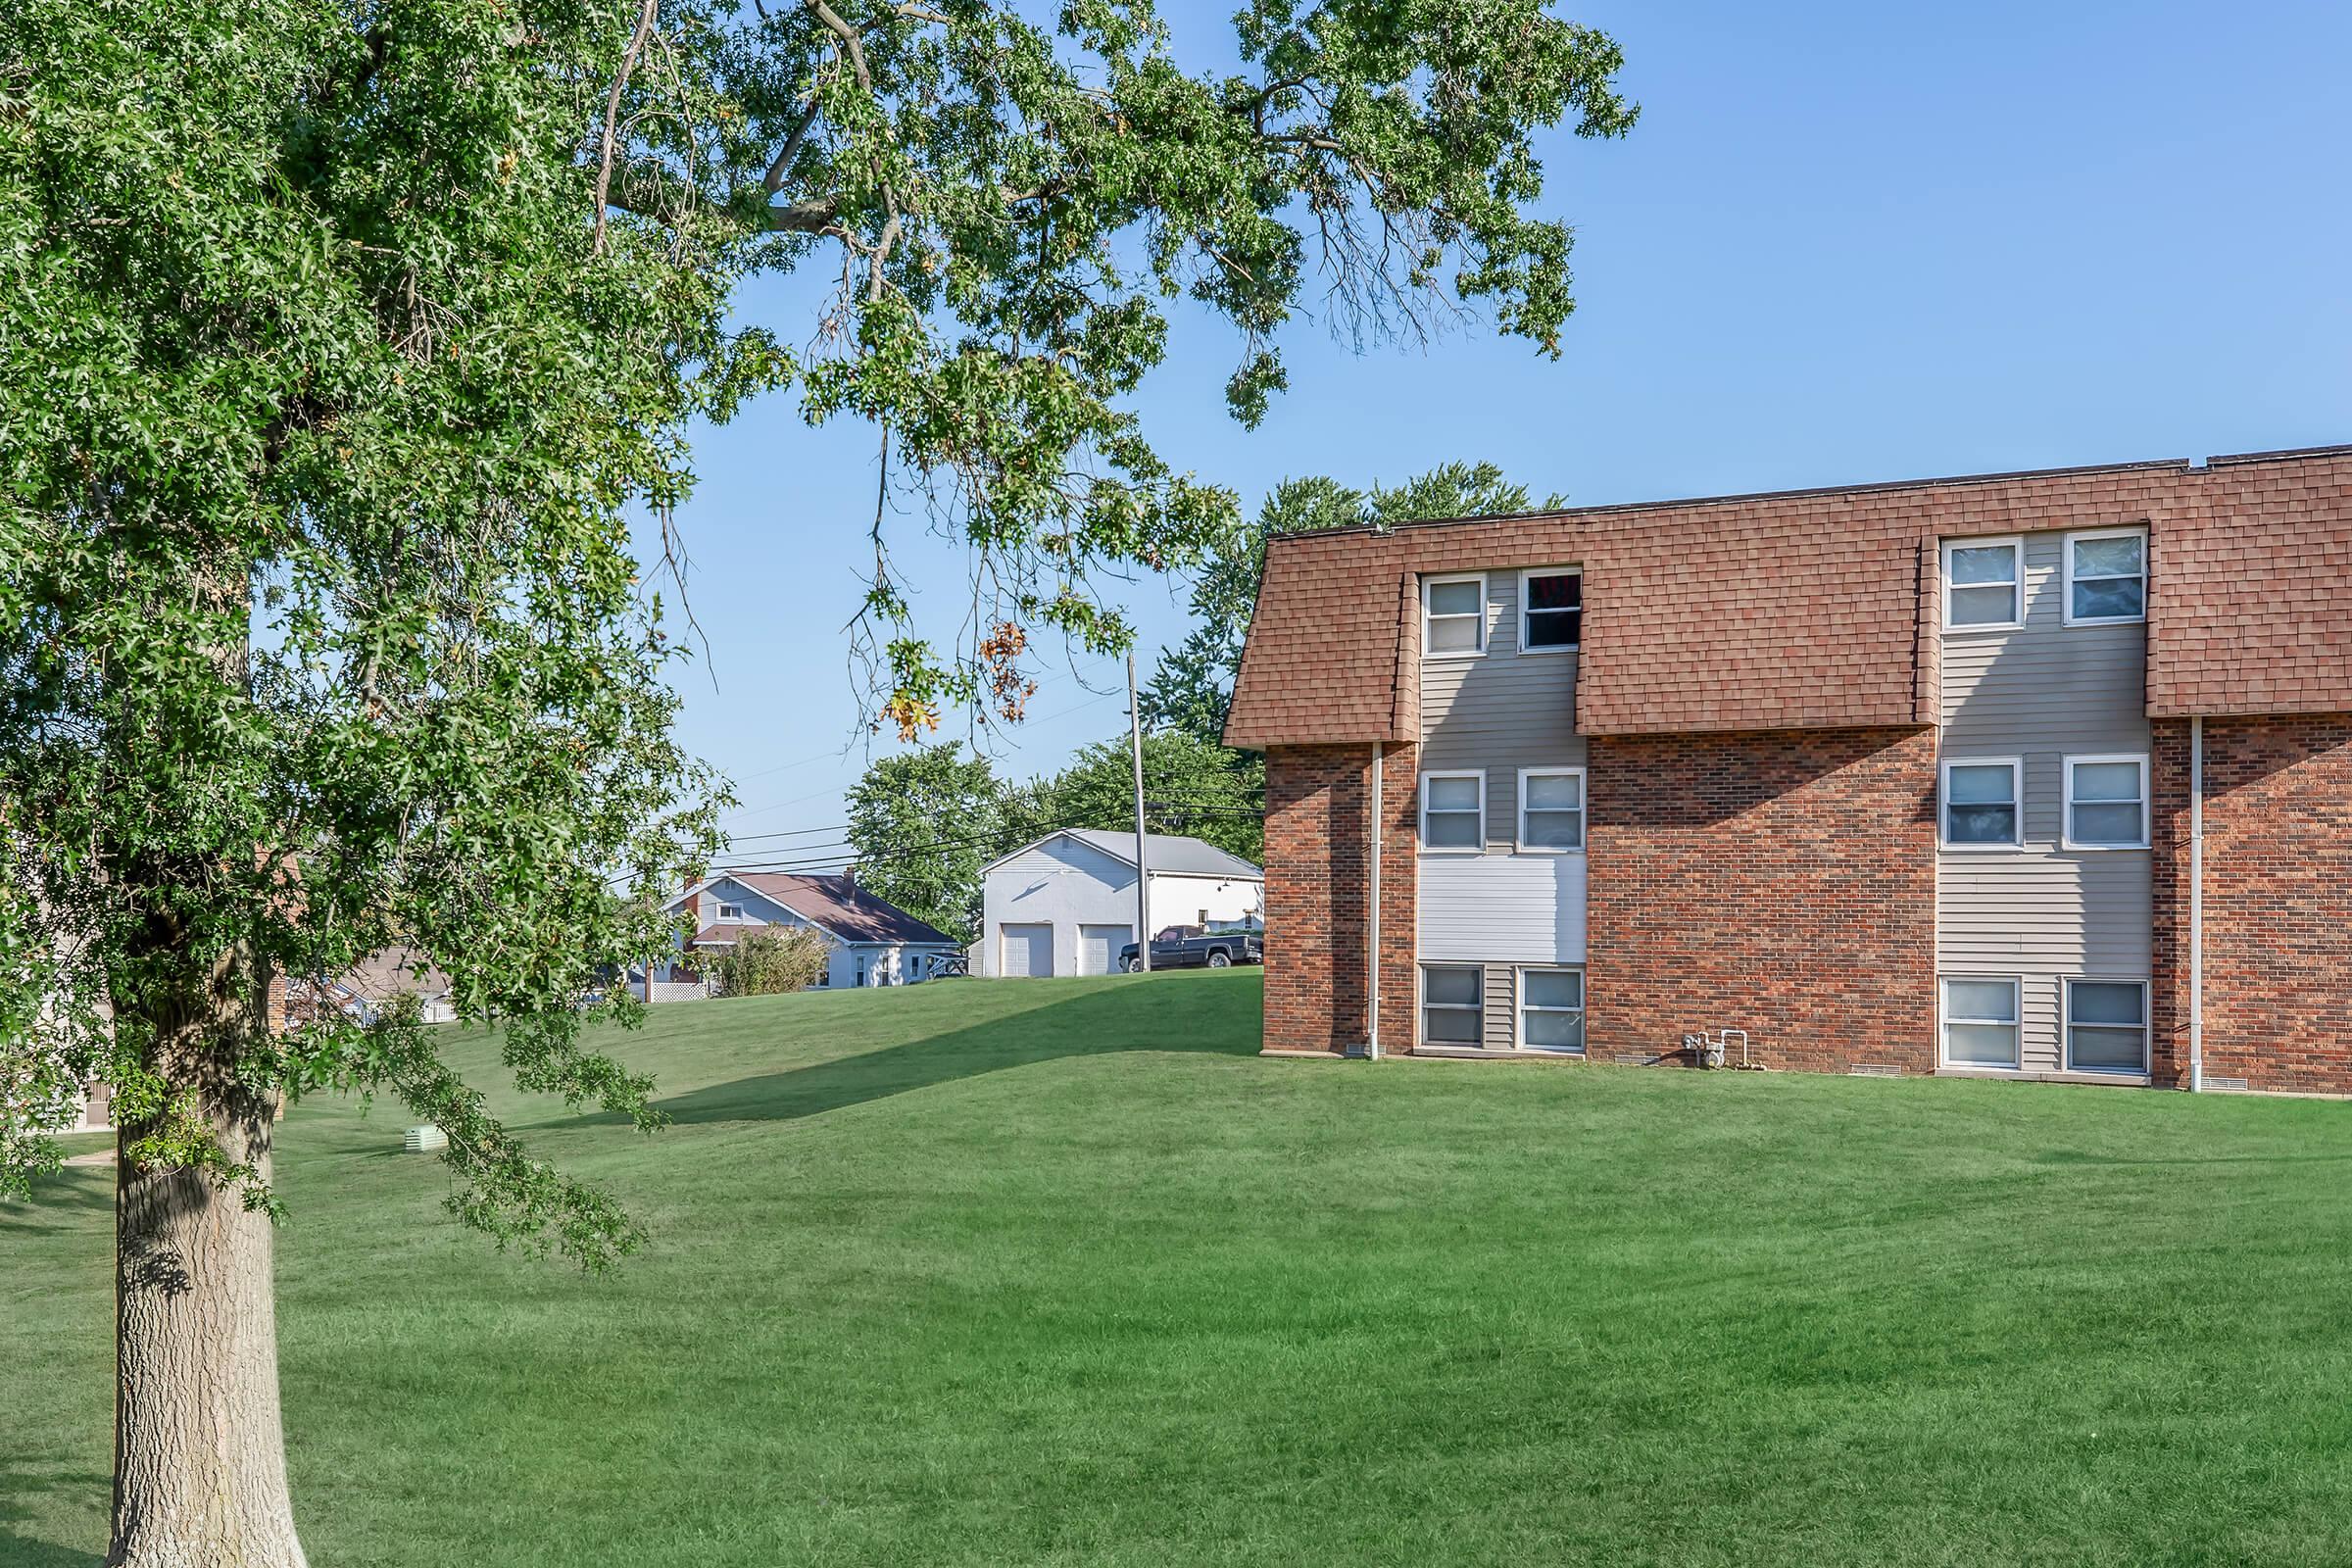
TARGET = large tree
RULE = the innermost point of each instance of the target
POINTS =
(340, 336)
(923, 823)
(1191, 690)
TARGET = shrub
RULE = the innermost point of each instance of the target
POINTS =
(772, 959)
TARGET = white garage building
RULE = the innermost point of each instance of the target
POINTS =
(1066, 905)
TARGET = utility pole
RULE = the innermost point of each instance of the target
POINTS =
(1142, 865)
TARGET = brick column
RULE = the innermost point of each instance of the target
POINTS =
(1318, 884)
(1780, 882)
(2168, 818)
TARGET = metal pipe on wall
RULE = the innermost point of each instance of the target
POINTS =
(1372, 988)
(2196, 906)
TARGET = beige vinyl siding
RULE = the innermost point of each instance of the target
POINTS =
(1501, 711)
(2044, 692)
(1502, 1000)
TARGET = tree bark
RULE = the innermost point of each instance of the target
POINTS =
(200, 1465)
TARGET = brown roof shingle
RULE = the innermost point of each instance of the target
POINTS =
(1818, 608)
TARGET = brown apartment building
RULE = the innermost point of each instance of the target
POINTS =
(2041, 775)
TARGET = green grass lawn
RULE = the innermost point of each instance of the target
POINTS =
(1063, 1272)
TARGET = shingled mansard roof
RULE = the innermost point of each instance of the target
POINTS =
(1818, 609)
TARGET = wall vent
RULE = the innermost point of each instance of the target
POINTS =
(2226, 1085)
(1873, 1069)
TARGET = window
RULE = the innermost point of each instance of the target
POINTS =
(1552, 808)
(730, 911)
(2107, 1025)
(2107, 803)
(1551, 611)
(1551, 1010)
(1981, 804)
(1453, 617)
(1453, 1009)
(1982, 585)
(1453, 811)
(2106, 577)
(1979, 1021)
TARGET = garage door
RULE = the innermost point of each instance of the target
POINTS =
(1099, 947)
(1028, 949)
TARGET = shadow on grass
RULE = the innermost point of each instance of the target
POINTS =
(23, 1551)
(1126, 1017)
(84, 1190)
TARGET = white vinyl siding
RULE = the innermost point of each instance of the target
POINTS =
(2107, 1026)
(2106, 577)
(1981, 1020)
(1453, 617)
(2106, 803)
(1983, 584)
(1453, 813)
(1551, 1010)
(2040, 913)
(1454, 1006)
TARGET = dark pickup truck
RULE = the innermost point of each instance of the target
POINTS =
(1188, 947)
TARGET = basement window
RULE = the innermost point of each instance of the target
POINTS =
(1452, 1004)
(1983, 587)
(1551, 1010)
(1453, 617)
(1979, 1021)
(2107, 803)
(1981, 804)
(1551, 611)
(2106, 577)
(2107, 1025)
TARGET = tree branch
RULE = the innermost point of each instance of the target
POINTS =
(620, 82)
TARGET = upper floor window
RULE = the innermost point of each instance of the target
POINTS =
(1552, 609)
(1453, 811)
(1552, 808)
(1981, 804)
(730, 911)
(1453, 617)
(1982, 583)
(2106, 577)
(2106, 803)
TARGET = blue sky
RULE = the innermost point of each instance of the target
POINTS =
(1846, 243)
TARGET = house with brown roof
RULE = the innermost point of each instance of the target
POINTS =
(2035, 775)
(874, 943)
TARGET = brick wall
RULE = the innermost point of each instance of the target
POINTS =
(1318, 880)
(1782, 883)
(2277, 902)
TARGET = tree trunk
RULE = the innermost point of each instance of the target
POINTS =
(200, 1465)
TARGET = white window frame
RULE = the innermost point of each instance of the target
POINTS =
(1422, 1004)
(1483, 609)
(1422, 826)
(1944, 1020)
(1584, 813)
(1528, 575)
(2066, 823)
(1520, 1004)
(2066, 1022)
(2017, 554)
(1943, 803)
(2071, 618)
(730, 911)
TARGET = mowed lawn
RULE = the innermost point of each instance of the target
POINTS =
(1063, 1272)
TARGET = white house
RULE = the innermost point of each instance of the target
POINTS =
(1066, 905)
(874, 943)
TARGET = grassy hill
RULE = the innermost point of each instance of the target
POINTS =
(1061, 1272)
